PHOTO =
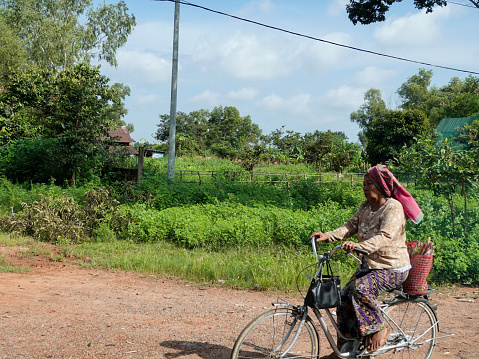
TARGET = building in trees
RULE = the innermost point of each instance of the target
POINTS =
(122, 139)
(452, 127)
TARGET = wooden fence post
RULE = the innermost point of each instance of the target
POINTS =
(141, 156)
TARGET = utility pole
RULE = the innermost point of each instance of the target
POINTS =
(174, 91)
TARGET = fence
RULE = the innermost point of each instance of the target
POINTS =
(200, 177)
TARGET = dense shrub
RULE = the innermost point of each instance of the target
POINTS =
(302, 195)
(32, 159)
(220, 226)
(61, 219)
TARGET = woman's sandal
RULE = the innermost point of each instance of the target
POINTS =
(378, 339)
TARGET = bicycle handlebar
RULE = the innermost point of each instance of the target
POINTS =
(313, 244)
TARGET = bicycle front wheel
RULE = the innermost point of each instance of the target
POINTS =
(271, 334)
(417, 333)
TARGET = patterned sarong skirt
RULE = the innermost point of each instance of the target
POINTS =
(359, 313)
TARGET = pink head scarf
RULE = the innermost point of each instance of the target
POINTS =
(390, 187)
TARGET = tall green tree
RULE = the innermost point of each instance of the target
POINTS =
(71, 106)
(328, 151)
(469, 135)
(287, 142)
(459, 98)
(228, 130)
(388, 134)
(221, 131)
(373, 107)
(445, 169)
(57, 34)
(12, 53)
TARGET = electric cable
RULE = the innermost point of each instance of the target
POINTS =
(322, 40)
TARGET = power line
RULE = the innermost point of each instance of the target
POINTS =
(322, 40)
(465, 5)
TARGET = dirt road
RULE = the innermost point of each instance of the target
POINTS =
(59, 310)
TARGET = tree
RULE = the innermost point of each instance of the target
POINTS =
(417, 93)
(461, 98)
(12, 54)
(388, 134)
(373, 107)
(370, 11)
(117, 110)
(326, 150)
(442, 168)
(227, 131)
(55, 38)
(250, 155)
(287, 142)
(221, 131)
(470, 135)
(70, 106)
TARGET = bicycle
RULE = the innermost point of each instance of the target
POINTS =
(288, 331)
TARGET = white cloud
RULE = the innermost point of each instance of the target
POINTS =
(337, 7)
(149, 99)
(266, 6)
(344, 97)
(373, 76)
(244, 94)
(206, 98)
(413, 30)
(248, 57)
(297, 104)
(152, 35)
(319, 56)
(253, 7)
(143, 67)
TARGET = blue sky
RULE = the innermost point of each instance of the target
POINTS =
(277, 78)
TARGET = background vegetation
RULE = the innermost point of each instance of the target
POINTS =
(59, 181)
(214, 227)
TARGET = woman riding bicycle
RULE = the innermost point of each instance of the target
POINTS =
(380, 227)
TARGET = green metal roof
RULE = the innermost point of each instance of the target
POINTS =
(451, 127)
(454, 124)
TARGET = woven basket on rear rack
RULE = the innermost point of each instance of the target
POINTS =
(421, 265)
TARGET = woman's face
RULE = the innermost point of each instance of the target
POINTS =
(372, 194)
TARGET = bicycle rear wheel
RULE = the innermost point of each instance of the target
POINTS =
(419, 330)
(270, 334)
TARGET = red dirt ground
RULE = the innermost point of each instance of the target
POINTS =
(59, 310)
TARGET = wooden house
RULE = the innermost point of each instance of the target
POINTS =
(122, 138)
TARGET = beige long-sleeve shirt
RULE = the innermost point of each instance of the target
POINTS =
(382, 233)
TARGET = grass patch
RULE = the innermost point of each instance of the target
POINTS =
(7, 268)
(7, 240)
(268, 268)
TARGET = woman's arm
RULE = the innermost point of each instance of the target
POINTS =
(347, 230)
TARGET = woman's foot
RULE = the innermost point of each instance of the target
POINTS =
(378, 339)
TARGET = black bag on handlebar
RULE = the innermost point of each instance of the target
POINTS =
(324, 290)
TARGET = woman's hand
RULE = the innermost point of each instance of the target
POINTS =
(320, 236)
(348, 246)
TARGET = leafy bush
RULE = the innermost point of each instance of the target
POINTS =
(220, 226)
(32, 159)
(49, 220)
(62, 219)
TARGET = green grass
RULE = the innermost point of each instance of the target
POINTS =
(269, 268)
(7, 268)
(6, 240)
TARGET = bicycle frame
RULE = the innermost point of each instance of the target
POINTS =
(324, 326)
(354, 348)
